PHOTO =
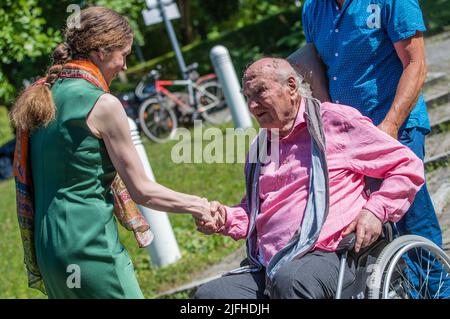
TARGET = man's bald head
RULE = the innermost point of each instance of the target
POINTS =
(271, 87)
(275, 68)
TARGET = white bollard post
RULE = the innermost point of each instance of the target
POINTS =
(226, 73)
(164, 249)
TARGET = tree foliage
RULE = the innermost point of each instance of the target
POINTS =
(22, 35)
(211, 18)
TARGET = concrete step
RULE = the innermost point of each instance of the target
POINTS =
(437, 144)
(434, 78)
(438, 95)
(439, 114)
(438, 184)
(437, 48)
(439, 159)
(441, 199)
(440, 118)
(441, 126)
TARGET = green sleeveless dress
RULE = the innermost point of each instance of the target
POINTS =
(76, 237)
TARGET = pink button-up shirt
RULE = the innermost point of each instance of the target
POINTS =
(354, 148)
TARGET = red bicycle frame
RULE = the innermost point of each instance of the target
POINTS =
(160, 87)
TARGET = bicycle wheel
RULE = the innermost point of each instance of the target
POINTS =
(212, 104)
(411, 267)
(158, 122)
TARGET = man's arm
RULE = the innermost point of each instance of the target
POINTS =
(228, 221)
(373, 153)
(411, 52)
(370, 152)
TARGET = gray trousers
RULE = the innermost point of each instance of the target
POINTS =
(314, 276)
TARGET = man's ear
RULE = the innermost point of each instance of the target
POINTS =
(292, 84)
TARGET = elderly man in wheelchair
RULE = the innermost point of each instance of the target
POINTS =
(312, 229)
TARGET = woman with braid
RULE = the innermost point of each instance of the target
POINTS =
(73, 141)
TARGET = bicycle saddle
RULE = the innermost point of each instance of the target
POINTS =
(191, 67)
(191, 71)
(154, 74)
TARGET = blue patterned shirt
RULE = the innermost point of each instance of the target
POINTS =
(356, 43)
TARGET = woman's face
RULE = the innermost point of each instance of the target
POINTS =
(111, 63)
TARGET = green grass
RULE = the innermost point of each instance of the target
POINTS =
(222, 182)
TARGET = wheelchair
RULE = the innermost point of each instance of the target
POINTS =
(385, 269)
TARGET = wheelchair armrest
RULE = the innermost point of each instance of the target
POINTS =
(347, 243)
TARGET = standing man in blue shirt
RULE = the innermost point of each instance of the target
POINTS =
(375, 57)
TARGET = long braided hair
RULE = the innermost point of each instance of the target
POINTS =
(99, 29)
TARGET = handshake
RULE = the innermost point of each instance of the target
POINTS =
(211, 219)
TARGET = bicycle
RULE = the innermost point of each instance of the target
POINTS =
(159, 113)
(132, 101)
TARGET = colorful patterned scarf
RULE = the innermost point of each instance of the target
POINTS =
(125, 209)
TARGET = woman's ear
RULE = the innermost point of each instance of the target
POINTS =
(97, 55)
(101, 54)
(94, 56)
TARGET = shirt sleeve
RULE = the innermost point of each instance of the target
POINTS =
(403, 18)
(236, 225)
(305, 22)
(373, 153)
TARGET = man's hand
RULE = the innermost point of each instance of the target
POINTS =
(368, 229)
(214, 221)
(389, 128)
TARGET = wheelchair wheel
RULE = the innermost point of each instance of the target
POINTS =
(410, 267)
